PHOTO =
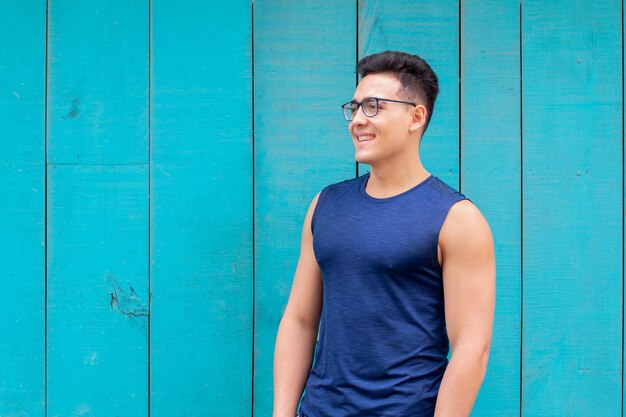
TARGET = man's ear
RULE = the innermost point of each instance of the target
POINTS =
(418, 119)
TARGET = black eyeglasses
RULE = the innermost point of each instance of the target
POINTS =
(369, 106)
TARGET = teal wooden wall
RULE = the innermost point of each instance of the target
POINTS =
(157, 159)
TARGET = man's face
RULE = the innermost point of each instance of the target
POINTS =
(385, 136)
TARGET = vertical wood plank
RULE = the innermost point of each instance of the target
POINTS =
(22, 212)
(97, 290)
(98, 302)
(304, 67)
(491, 160)
(431, 31)
(572, 210)
(98, 89)
(201, 222)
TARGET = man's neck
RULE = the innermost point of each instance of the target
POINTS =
(387, 180)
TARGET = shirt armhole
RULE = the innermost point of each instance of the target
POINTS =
(318, 207)
(436, 244)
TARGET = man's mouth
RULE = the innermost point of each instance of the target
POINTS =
(364, 138)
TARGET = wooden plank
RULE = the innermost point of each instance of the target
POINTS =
(22, 328)
(491, 160)
(572, 208)
(304, 66)
(97, 290)
(22, 213)
(201, 222)
(98, 82)
(98, 208)
(430, 30)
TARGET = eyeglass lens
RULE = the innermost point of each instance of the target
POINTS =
(369, 106)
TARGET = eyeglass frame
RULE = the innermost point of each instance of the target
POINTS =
(377, 99)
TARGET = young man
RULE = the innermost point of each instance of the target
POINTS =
(396, 264)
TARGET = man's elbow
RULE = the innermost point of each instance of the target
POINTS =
(476, 352)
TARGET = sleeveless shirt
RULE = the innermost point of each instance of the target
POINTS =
(382, 346)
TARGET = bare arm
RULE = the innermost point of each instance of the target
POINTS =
(469, 292)
(297, 332)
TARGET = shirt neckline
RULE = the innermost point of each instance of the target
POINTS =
(365, 195)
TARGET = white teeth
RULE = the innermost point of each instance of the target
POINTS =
(364, 138)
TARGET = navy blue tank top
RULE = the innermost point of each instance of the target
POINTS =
(382, 347)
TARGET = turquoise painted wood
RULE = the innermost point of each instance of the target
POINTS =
(22, 209)
(572, 208)
(201, 211)
(430, 30)
(97, 214)
(98, 81)
(185, 141)
(97, 290)
(491, 177)
(304, 61)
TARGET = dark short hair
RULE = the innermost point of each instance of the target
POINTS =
(417, 79)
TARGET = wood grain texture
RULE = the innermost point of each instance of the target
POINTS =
(304, 61)
(98, 203)
(572, 208)
(201, 221)
(490, 176)
(98, 290)
(22, 207)
(431, 31)
(98, 81)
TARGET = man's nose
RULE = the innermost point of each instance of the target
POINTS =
(359, 117)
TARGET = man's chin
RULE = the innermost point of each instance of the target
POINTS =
(364, 160)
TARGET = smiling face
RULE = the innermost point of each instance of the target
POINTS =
(391, 133)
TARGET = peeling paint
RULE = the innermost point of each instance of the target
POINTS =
(126, 301)
(75, 109)
(91, 359)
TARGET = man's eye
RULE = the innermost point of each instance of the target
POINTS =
(370, 106)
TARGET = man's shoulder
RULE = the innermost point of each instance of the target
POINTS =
(444, 189)
(464, 223)
(334, 188)
(344, 184)
(463, 211)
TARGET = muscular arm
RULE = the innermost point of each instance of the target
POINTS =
(297, 332)
(469, 292)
